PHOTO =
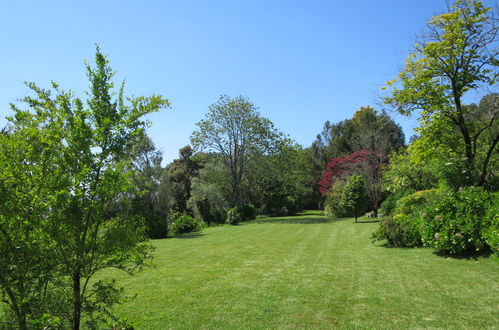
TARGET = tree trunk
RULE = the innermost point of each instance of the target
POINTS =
(76, 318)
(483, 174)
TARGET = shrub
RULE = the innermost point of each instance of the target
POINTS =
(401, 231)
(248, 212)
(185, 224)
(333, 206)
(463, 221)
(277, 204)
(390, 203)
(233, 216)
(416, 201)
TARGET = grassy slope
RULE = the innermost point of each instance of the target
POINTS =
(308, 271)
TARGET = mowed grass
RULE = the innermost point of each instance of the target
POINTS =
(307, 271)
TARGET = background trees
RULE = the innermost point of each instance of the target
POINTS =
(234, 129)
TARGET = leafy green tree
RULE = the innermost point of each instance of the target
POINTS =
(457, 55)
(28, 179)
(353, 195)
(86, 166)
(234, 129)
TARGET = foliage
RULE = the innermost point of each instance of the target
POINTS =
(88, 169)
(456, 56)
(209, 193)
(185, 224)
(235, 130)
(461, 222)
(180, 174)
(353, 196)
(284, 173)
(27, 180)
(275, 204)
(416, 201)
(149, 199)
(366, 163)
(248, 212)
(333, 206)
(233, 216)
(401, 230)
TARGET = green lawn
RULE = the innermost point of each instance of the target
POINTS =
(307, 272)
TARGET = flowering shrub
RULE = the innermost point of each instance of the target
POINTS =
(463, 221)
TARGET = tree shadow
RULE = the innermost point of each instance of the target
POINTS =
(195, 234)
(470, 255)
(298, 220)
(367, 221)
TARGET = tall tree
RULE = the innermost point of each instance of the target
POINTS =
(457, 54)
(89, 168)
(234, 129)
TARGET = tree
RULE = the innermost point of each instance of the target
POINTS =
(180, 174)
(27, 182)
(353, 196)
(366, 163)
(234, 129)
(148, 199)
(457, 55)
(83, 157)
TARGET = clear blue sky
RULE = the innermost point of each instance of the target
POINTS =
(301, 62)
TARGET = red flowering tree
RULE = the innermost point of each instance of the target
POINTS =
(364, 162)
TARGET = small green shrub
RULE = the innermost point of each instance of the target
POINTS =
(185, 224)
(401, 231)
(233, 216)
(462, 222)
(248, 212)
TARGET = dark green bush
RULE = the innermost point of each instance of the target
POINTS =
(233, 216)
(401, 230)
(461, 222)
(277, 204)
(185, 224)
(248, 212)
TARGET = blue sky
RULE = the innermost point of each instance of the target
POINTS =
(301, 62)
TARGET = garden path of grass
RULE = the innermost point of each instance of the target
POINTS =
(307, 271)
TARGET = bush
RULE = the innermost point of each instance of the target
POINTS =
(390, 203)
(401, 231)
(185, 224)
(233, 216)
(277, 204)
(414, 202)
(462, 222)
(248, 212)
(333, 206)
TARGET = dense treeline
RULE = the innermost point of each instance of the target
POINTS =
(82, 187)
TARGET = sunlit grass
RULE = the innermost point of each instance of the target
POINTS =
(307, 271)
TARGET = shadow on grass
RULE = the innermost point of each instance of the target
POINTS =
(195, 234)
(297, 220)
(367, 221)
(473, 255)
